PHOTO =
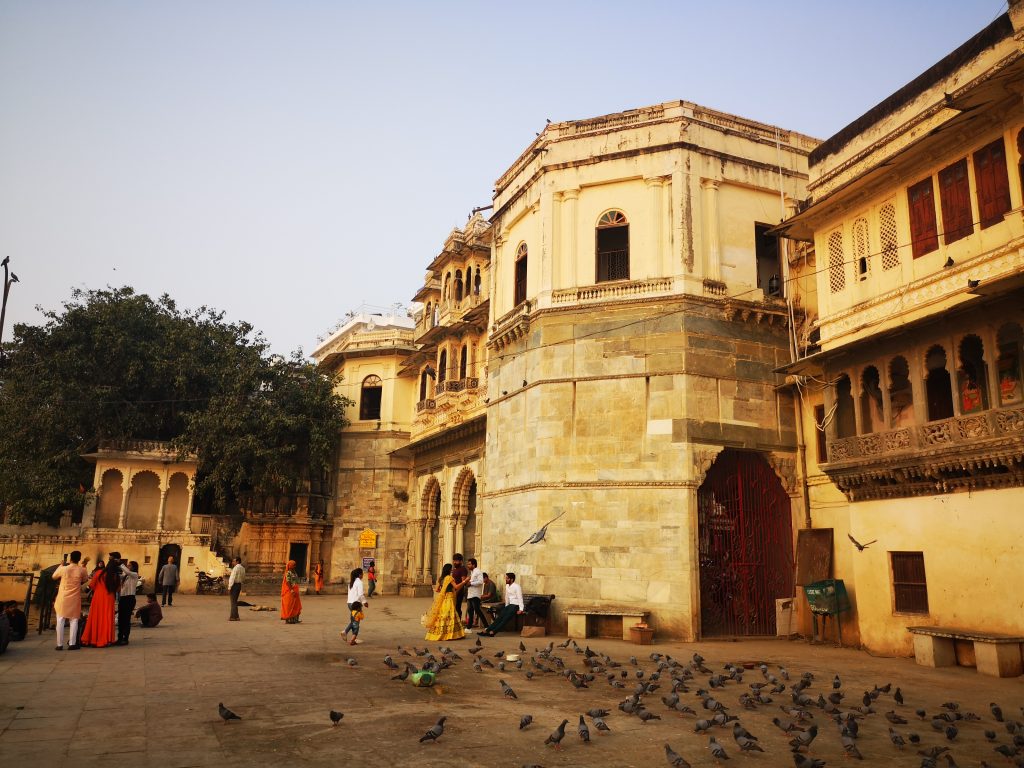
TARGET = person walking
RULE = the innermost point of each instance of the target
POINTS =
(371, 579)
(291, 605)
(318, 576)
(473, 594)
(68, 605)
(355, 595)
(235, 585)
(356, 615)
(126, 600)
(168, 579)
(513, 604)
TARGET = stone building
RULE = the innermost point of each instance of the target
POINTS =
(637, 315)
(366, 516)
(912, 273)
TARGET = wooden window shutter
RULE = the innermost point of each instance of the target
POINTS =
(993, 183)
(955, 196)
(923, 231)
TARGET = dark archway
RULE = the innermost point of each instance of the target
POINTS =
(745, 546)
(167, 550)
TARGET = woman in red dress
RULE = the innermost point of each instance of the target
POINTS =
(104, 584)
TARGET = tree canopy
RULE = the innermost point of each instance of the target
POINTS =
(113, 365)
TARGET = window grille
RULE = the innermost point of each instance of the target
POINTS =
(888, 237)
(910, 588)
(836, 265)
(860, 248)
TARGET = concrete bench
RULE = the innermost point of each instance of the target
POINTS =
(996, 655)
(579, 624)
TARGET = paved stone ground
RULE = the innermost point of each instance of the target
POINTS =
(154, 703)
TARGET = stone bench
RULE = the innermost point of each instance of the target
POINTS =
(995, 654)
(579, 625)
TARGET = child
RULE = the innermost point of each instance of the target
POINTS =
(356, 609)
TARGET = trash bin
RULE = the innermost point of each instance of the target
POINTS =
(826, 599)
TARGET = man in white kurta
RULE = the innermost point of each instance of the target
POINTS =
(68, 605)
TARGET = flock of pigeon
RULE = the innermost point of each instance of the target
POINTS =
(805, 714)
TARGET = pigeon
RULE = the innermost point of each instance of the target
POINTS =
(557, 735)
(403, 675)
(921, 713)
(914, 738)
(434, 732)
(747, 744)
(336, 717)
(804, 740)
(860, 547)
(717, 751)
(836, 683)
(600, 724)
(896, 739)
(932, 752)
(674, 759)
(390, 663)
(802, 761)
(583, 730)
(352, 662)
(596, 712)
(522, 648)
(1006, 751)
(700, 726)
(507, 690)
(538, 536)
(951, 732)
(997, 712)
(226, 714)
(895, 719)
(990, 735)
(524, 721)
(950, 761)
(850, 747)
(898, 697)
(646, 715)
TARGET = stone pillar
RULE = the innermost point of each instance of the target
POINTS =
(427, 550)
(188, 509)
(569, 226)
(124, 499)
(460, 530)
(711, 238)
(416, 566)
(855, 392)
(918, 389)
(163, 507)
(654, 233)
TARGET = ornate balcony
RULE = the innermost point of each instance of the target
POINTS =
(426, 405)
(981, 450)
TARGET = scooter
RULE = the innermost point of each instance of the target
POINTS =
(209, 585)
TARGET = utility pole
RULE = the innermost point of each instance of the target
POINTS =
(9, 279)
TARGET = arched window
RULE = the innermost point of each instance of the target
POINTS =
(1009, 339)
(901, 394)
(458, 285)
(442, 366)
(972, 376)
(423, 385)
(369, 399)
(937, 385)
(429, 315)
(870, 401)
(446, 293)
(464, 361)
(612, 239)
(469, 280)
(846, 420)
(519, 292)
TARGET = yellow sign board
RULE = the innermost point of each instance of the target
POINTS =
(368, 539)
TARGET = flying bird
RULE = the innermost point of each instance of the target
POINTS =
(226, 714)
(336, 717)
(860, 547)
(434, 732)
(538, 536)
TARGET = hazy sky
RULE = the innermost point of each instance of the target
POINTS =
(288, 161)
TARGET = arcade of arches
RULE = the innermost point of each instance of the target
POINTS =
(445, 523)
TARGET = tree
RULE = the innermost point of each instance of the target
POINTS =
(115, 365)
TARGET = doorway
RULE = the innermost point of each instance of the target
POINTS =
(299, 552)
(166, 551)
(745, 544)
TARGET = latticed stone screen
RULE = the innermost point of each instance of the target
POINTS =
(836, 265)
(887, 236)
(860, 247)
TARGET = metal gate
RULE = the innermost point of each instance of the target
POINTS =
(745, 546)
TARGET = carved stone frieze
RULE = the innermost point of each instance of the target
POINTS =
(785, 467)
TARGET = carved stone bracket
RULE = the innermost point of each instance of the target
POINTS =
(703, 458)
(785, 468)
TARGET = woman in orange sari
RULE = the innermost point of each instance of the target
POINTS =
(318, 576)
(104, 585)
(291, 605)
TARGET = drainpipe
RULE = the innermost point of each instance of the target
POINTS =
(801, 456)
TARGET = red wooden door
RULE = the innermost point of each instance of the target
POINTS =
(745, 546)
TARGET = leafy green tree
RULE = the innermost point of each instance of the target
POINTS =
(115, 365)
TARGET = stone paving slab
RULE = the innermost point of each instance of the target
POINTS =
(154, 702)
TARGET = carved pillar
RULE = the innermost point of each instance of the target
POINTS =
(566, 270)
(416, 569)
(163, 507)
(191, 498)
(915, 362)
(856, 391)
(654, 211)
(426, 550)
(712, 242)
(124, 499)
(990, 347)
(460, 530)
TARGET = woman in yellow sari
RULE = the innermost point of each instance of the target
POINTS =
(443, 623)
(291, 605)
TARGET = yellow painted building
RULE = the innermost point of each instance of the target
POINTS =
(911, 270)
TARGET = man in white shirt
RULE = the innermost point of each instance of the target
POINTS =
(513, 605)
(126, 600)
(235, 585)
(476, 589)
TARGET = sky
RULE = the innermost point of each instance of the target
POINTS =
(287, 162)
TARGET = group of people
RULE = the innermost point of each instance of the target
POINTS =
(463, 582)
(112, 586)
